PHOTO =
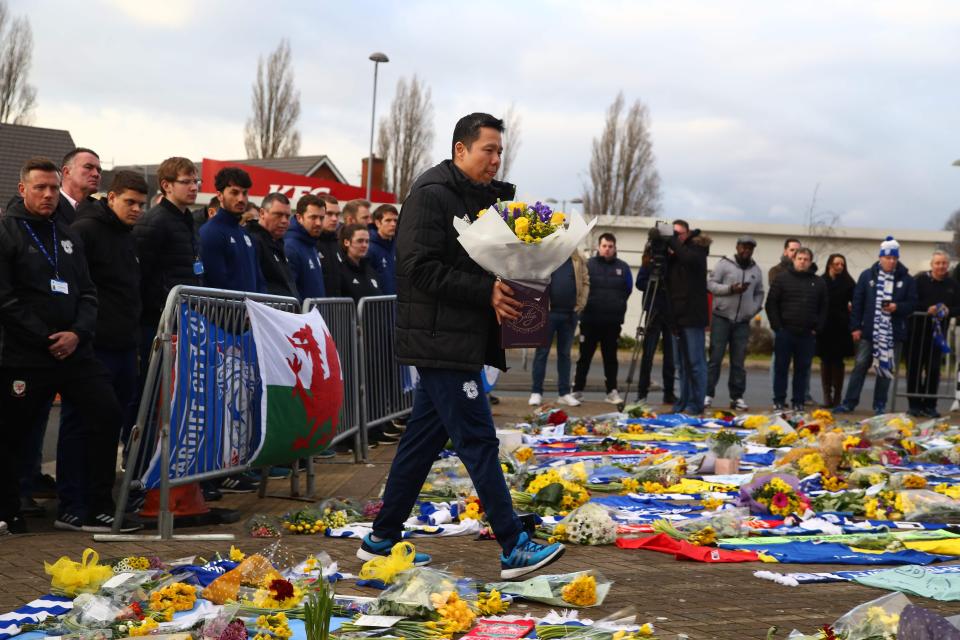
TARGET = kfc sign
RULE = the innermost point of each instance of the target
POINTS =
(292, 185)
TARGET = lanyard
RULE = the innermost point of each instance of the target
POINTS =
(55, 260)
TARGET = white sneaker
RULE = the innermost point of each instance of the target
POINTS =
(535, 400)
(613, 397)
(578, 395)
(739, 405)
(707, 401)
(570, 400)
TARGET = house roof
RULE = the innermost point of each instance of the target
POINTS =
(301, 165)
(20, 143)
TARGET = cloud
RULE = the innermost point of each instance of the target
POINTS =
(169, 14)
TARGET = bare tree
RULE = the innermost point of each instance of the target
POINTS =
(511, 141)
(821, 226)
(271, 130)
(623, 173)
(406, 135)
(953, 224)
(17, 97)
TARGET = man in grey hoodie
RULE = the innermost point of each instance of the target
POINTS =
(737, 287)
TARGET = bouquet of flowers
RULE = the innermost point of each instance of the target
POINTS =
(725, 444)
(523, 244)
(580, 589)
(589, 524)
(777, 495)
(549, 493)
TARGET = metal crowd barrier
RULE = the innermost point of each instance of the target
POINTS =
(927, 371)
(218, 332)
(340, 314)
(386, 388)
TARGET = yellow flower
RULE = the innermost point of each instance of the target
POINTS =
(144, 628)
(557, 218)
(481, 212)
(951, 491)
(579, 430)
(455, 615)
(704, 537)
(236, 555)
(870, 508)
(790, 438)
(822, 415)
(635, 428)
(755, 422)
(581, 592)
(559, 533)
(646, 629)
(521, 227)
(630, 485)
(913, 481)
(711, 504)
(491, 604)
(811, 463)
(850, 442)
(833, 483)
(523, 454)
(517, 206)
(653, 487)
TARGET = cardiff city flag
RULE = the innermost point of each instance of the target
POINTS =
(302, 390)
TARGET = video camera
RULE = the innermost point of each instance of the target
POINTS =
(655, 252)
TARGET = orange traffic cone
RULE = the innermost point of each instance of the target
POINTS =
(185, 500)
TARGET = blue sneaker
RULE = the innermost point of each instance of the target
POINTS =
(528, 556)
(369, 550)
(843, 409)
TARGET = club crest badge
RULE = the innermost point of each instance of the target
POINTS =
(19, 388)
(470, 389)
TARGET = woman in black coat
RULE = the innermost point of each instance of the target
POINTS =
(358, 278)
(835, 342)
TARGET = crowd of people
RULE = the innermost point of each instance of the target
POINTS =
(831, 316)
(83, 284)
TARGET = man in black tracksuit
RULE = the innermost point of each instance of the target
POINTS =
(610, 285)
(267, 235)
(48, 314)
(448, 309)
(797, 310)
(104, 226)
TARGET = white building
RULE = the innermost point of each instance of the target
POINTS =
(860, 246)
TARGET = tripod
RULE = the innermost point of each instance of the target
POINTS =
(648, 314)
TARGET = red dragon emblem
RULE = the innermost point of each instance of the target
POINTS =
(323, 399)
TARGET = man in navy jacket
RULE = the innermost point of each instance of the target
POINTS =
(382, 254)
(300, 243)
(229, 257)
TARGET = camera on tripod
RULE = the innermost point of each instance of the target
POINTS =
(655, 253)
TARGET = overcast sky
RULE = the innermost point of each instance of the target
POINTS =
(752, 103)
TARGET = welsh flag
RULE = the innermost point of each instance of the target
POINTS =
(302, 390)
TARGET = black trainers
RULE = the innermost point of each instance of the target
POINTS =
(237, 484)
(16, 524)
(68, 522)
(44, 486)
(103, 523)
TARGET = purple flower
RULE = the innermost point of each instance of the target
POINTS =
(234, 631)
(542, 210)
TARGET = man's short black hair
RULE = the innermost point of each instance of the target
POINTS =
(468, 129)
(73, 152)
(609, 237)
(682, 223)
(786, 243)
(270, 198)
(128, 180)
(307, 200)
(214, 203)
(384, 209)
(807, 251)
(232, 177)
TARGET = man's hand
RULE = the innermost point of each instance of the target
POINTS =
(932, 311)
(64, 344)
(856, 335)
(503, 302)
(738, 287)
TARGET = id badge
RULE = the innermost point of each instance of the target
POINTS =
(198, 268)
(59, 286)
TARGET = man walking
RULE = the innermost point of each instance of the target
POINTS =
(569, 290)
(611, 283)
(883, 299)
(48, 315)
(267, 235)
(797, 309)
(737, 287)
(448, 309)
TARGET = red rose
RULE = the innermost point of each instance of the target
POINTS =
(557, 417)
(281, 590)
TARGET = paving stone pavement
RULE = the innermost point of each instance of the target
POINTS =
(721, 601)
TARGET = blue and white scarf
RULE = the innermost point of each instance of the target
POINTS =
(32, 613)
(941, 314)
(883, 326)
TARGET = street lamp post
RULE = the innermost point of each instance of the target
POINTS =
(377, 58)
(563, 203)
